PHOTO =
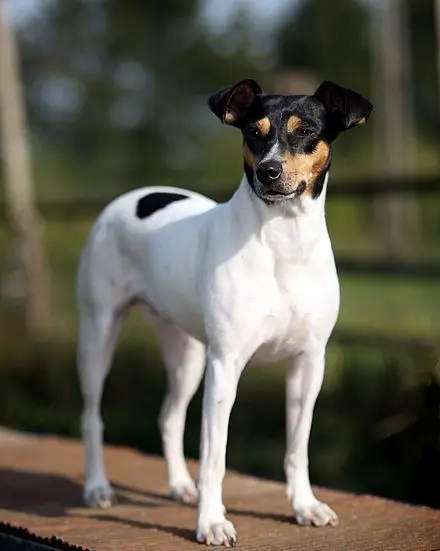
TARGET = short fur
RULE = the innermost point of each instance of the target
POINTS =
(250, 280)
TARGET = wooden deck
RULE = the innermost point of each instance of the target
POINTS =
(40, 489)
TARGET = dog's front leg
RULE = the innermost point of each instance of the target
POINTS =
(221, 379)
(304, 381)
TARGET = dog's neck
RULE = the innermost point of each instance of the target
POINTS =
(290, 228)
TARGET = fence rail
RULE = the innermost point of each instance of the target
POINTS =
(374, 339)
(369, 187)
(387, 267)
(75, 207)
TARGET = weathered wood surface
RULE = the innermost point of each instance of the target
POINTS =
(40, 489)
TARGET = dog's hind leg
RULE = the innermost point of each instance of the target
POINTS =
(98, 332)
(184, 359)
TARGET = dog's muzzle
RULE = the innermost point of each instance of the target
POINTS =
(269, 174)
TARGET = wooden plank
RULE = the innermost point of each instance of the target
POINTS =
(40, 488)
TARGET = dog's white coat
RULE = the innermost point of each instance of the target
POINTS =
(231, 283)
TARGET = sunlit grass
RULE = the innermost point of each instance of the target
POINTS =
(399, 307)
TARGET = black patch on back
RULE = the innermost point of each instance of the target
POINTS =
(153, 202)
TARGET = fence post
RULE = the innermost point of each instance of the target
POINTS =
(437, 31)
(396, 216)
(19, 194)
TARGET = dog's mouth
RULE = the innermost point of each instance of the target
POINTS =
(278, 195)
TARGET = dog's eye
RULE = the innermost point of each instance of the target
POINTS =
(254, 132)
(305, 132)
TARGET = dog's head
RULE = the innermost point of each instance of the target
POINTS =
(287, 139)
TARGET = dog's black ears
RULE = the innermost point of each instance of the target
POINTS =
(346, 108)
(232, 103)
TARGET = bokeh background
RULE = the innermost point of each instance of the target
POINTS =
(113, 97)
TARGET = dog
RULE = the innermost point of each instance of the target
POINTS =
(224, 285)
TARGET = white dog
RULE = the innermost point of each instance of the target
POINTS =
(223, 284)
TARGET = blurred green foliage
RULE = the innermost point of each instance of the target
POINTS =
(116, 91)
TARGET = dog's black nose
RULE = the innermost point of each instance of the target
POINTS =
(268, 173)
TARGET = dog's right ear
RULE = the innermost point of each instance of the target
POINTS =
(346, 108)
(232, 103)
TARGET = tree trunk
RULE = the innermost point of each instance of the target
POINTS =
(19, 194)
(396, 216)
(437, 29)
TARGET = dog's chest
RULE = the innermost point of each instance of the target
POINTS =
(302, 312)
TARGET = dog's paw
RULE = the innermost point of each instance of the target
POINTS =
(185, 492)
(102, 496)
(317, 514)
(218, 533)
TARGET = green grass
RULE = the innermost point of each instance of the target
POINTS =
(399, 307)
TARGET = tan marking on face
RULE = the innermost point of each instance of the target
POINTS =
(263, 126)
(249, 157)
(363, 120)
(305, 167)
(293, 124)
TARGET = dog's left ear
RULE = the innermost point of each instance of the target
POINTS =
(232, 103)
(346, 108)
